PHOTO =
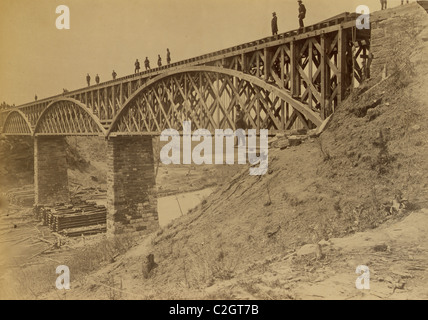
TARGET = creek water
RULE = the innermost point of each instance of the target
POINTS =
(172, 207)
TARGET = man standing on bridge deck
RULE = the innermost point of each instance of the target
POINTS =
(302, 13)
(274, 24)
(35, 97)
(168, 56)
(159, 61)
(97, 79)
(147, 63)
(383, 3)
(88, 79)
(114, 74)
(137, 66)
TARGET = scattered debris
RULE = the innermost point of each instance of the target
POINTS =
(271, 234)
(318, 252)
(380, 247)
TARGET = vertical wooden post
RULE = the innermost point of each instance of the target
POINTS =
(258, 64)
(185, 86)
(354, 39)
(121, 94)
(341, 65)
(295, 76)
(310, 62)
(258, 110)
(323, 75)
(267, 63)
(287, 114)
(293, 68)
(282, 68)
(92, 102)
(244, 63)
(106, 104)
(282, 115)
(327, 79)
(113, 101)
(217, 87)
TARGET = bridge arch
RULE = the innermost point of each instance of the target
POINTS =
(67, 116)
(16, 123)
(199, 94)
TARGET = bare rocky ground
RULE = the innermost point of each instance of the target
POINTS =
(357, 195)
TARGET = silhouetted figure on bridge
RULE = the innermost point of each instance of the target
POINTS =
(88, 79)
(159, 61)
(114, 74)
(383, 3)
(35, 97)
(302, 13)
(137, 66)
(97, 79)
(168, 56)
(274, 24)
(147, 63)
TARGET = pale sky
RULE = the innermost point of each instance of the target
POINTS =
(37, 58)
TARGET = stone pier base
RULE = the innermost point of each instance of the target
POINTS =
(50, 170)
(131, 190)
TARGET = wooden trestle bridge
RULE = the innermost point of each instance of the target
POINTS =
(294, 79)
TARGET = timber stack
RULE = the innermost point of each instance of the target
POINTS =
(87, 218)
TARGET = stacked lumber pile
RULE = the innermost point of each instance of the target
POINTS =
(74, 220)
(23, 196)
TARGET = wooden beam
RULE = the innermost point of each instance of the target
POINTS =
(113, 101)
(310, 57)
(342, 65)
(323, 67)
(293, 70)
(291, 120)
(267, 63)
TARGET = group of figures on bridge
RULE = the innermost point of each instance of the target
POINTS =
(384, 4)
(5, 106)
(136, 70)
(301, 16)
(147, 62)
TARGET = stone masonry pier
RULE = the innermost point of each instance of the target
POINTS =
(131, 190)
